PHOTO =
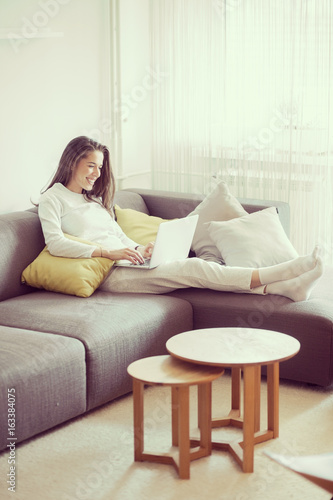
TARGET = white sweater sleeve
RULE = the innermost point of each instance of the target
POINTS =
(50, 211)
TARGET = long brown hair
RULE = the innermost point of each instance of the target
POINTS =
(76, 149)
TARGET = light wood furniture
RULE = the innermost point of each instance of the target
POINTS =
(244, 350)
(168, 371)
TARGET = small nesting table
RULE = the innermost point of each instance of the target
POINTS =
(244, 350)
(179, 375)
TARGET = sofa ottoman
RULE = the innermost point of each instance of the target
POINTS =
(48, 375)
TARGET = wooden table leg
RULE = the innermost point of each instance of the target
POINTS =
(205, 416)
(257, 389)
(249, 412)
(273, 398)
(184, 431)
(235, 391)
(138, 388)
(234, 415)
(175, 415)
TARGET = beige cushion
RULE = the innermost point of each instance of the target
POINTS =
(254, 240)
(219, 205)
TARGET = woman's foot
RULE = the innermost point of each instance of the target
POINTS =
(299, 288)
(290, 269)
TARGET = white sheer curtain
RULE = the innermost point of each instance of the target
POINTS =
(248, 98)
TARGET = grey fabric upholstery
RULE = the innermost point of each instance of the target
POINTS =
(21, 240)
(128, 199)
(48, 373)
(115, 330)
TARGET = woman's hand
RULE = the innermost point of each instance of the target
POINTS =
(123, 253)
(147, 250)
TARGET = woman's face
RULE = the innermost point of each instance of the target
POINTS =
(86, 172)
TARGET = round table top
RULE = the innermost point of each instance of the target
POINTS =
(166, 370)
(234, 347)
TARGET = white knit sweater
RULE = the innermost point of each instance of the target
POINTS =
(63, 211)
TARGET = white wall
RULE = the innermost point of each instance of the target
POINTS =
(137, 83)
(51, 89)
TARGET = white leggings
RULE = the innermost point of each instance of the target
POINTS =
(192, 272)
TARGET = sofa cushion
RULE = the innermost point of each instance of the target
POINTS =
(219, 205)
(115, 329)
(48, 374)
(138, 226)
(253, 240)
(78, 277)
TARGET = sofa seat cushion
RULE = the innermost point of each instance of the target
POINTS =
(48, 374)
(115, 329)
(310, 322)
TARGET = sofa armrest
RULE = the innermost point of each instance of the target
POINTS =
(169, 205)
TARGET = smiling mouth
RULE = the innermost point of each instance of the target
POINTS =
(91, 182)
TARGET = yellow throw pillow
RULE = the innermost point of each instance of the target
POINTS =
(78, 277)
(140, 227)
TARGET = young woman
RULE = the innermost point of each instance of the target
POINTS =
(79, 201)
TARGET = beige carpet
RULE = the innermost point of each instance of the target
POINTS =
(91, 458)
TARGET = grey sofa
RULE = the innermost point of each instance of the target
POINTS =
(66, 355)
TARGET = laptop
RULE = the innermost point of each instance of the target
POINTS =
(173, 242)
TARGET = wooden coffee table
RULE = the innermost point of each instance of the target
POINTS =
(244, 350)
(171, 372)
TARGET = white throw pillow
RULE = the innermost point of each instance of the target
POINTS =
(254, 240)
(219, 205)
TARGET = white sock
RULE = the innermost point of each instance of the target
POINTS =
(297, 289)
(290, 269)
